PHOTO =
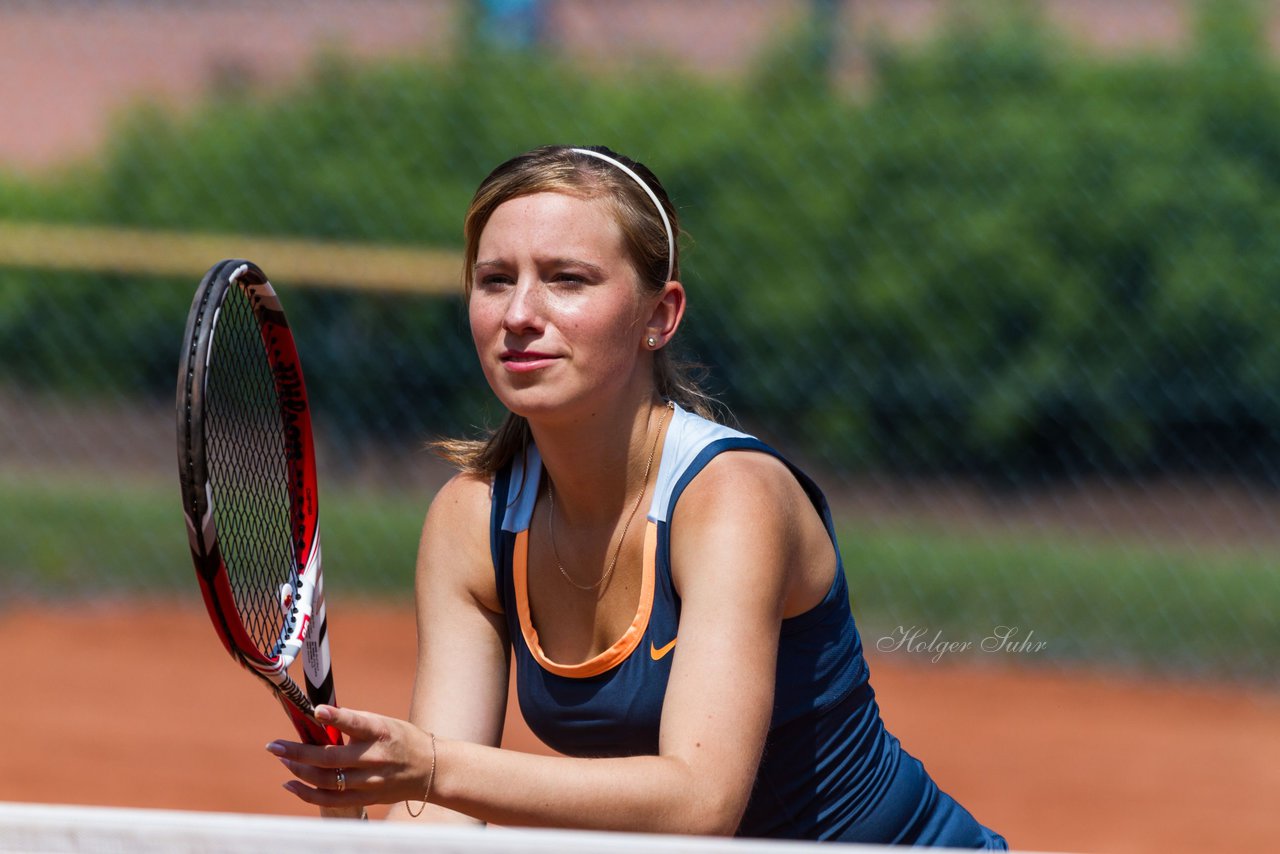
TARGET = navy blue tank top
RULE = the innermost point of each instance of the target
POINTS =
(829, 770)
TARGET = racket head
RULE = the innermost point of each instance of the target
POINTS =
(247, 472)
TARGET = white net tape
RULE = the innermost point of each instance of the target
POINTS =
(46, 828)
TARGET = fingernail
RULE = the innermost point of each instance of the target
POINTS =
(275, 748)
(324, 713)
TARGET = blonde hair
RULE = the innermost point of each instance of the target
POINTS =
(562, 169)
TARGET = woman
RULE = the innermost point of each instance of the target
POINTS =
(697, 663)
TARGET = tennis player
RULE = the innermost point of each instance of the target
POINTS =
(671, 589)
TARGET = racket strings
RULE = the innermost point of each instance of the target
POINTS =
(249, 474)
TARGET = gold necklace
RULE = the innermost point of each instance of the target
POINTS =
(551, 514)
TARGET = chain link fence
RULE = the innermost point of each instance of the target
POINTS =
(1002, 280)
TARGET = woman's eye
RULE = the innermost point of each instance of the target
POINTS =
(494, 280)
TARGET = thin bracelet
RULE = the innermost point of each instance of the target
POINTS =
(431, 776)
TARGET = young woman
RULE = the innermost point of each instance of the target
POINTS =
(696, 661)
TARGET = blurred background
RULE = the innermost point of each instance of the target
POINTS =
(1001, 275)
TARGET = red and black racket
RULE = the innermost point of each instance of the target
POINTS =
(247, 467)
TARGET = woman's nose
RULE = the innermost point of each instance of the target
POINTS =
(524, 308)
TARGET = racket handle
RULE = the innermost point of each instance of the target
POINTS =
(309, 729)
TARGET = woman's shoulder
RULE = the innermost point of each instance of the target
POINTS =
(742, 520)
(749, 480)
(465, 486)
(719, 475)
(747, 518)
(454, 550)
(712, 462)
(461, 507)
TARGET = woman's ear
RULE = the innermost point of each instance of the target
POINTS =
(665, 318)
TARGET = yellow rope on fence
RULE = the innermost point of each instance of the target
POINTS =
(291, 262)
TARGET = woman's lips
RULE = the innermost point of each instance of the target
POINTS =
(523, 361)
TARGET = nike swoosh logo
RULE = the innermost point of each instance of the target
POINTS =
(660, 652)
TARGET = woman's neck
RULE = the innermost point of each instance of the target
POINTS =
(598, 465)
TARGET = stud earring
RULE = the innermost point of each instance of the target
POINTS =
(652, 342)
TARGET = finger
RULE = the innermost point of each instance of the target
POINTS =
(321, 778)
(327, 778)
(319, 755)
(361, 726)
(327, 797)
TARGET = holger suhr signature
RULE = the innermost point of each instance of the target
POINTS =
(918, 639)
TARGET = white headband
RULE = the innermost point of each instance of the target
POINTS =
(666, 223)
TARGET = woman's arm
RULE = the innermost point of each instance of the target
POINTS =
(733, 539)
(460, 688)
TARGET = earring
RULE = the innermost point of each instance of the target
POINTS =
(652, 342)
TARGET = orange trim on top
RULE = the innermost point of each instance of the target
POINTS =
(622, 647)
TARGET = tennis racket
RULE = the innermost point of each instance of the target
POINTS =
(247, 468)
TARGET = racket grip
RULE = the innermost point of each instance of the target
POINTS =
(309, 729)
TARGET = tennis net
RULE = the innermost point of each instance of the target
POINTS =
(50, 828)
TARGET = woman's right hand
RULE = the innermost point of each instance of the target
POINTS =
(385, 760)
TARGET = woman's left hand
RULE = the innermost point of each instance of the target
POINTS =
(385, 760)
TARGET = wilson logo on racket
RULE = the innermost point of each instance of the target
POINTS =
(293, 402)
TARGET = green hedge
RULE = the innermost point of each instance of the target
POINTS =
(997, 256)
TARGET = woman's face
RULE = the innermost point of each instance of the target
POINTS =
(556, 312)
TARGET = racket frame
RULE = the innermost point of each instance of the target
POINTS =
(306, 629)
